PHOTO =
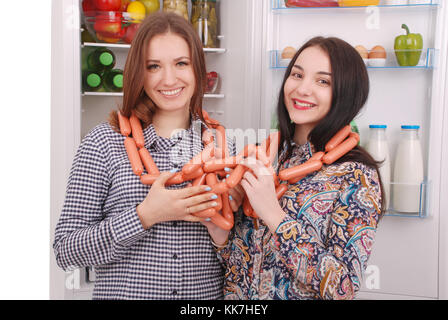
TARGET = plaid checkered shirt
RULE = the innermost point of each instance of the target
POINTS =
(99, 225)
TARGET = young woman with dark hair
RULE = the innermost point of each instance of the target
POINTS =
(313, 243)
(144, 242)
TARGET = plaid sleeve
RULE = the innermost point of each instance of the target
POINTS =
(83, 237)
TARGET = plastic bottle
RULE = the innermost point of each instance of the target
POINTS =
(91, 81)
(408, 171)
(113, 80)
(101, 59)
(378, 148)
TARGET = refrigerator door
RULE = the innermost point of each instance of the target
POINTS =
(405, 258)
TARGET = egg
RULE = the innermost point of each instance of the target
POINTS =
(288, 53)
(377, 52)
(362, 51)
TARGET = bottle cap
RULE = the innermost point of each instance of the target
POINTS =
(93, 80)
(106, 59)
(377, 126)
(408, 127)
(118, 80)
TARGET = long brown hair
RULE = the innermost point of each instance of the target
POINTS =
(349, 94)
(134, 96)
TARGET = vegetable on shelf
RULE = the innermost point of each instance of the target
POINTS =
(311, 3)
(358, 3)
(408, 48)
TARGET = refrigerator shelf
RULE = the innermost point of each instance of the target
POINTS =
(128, 46)
(427, 61)
(278, 6)
(423, 200)
(120, 94)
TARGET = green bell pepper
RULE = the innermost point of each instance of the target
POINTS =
(408, 48)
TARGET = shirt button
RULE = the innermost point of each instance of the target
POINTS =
(174, 256)
(174, 292)
(175, 224)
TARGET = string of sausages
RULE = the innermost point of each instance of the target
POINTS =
(214, 167)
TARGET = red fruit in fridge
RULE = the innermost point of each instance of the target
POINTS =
(130, 32)
(107, 5)
(88, 8)
(108, 23)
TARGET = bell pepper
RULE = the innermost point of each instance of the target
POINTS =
(408, 48)
(311, 3)
(358, 3)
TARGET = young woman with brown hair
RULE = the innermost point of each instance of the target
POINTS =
(315, 242)
(145, 245)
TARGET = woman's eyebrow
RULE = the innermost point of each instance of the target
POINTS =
(177, 59)
(320, 72)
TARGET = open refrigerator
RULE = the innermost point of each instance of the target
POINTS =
(410, 258)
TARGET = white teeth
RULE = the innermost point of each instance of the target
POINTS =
(307, 105)
(171, 92)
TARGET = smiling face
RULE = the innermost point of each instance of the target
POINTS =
(308, 89)
(169, 76)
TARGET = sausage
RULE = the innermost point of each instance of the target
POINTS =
(272, 150)
(206, 213)
(247, 151)
(340, 150)
(148, 179)
(137, 131)
(236, 176)
(133, 155)
(296, 179)
(207, 136)
(195, 174)
(226, 209)
(317, 156)
(199, 181)
(300, 170)
(176, 179)
(221, 222)
(220, 188)
(280, 190)
(196, 162)
(123, 123)
(354, 135)
(220, 164)
(261, 155)
(338, 138)
(148, 162)
(247, 208)
(222, 142)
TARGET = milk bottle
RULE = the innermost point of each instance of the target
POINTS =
(378, 148)
(408, 171)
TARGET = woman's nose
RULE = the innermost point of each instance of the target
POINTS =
(304, 87)
(169, 76)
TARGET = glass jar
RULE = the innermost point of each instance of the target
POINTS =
(177, 6)
(204, 20)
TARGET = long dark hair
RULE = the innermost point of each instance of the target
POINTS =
(349, 94)
(134, 96)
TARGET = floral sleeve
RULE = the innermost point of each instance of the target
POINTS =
(326, 238)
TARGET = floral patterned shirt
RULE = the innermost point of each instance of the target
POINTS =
(320, 249)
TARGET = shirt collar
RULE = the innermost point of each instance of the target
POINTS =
(152, 140)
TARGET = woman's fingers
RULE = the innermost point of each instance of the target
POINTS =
(162, 179)
(257, 167)
(194, 200)
(200, 207)
(191, 191)
(249, 177)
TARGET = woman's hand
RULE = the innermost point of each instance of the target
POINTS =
(162, 204)
(260, 189)
(236, 196)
